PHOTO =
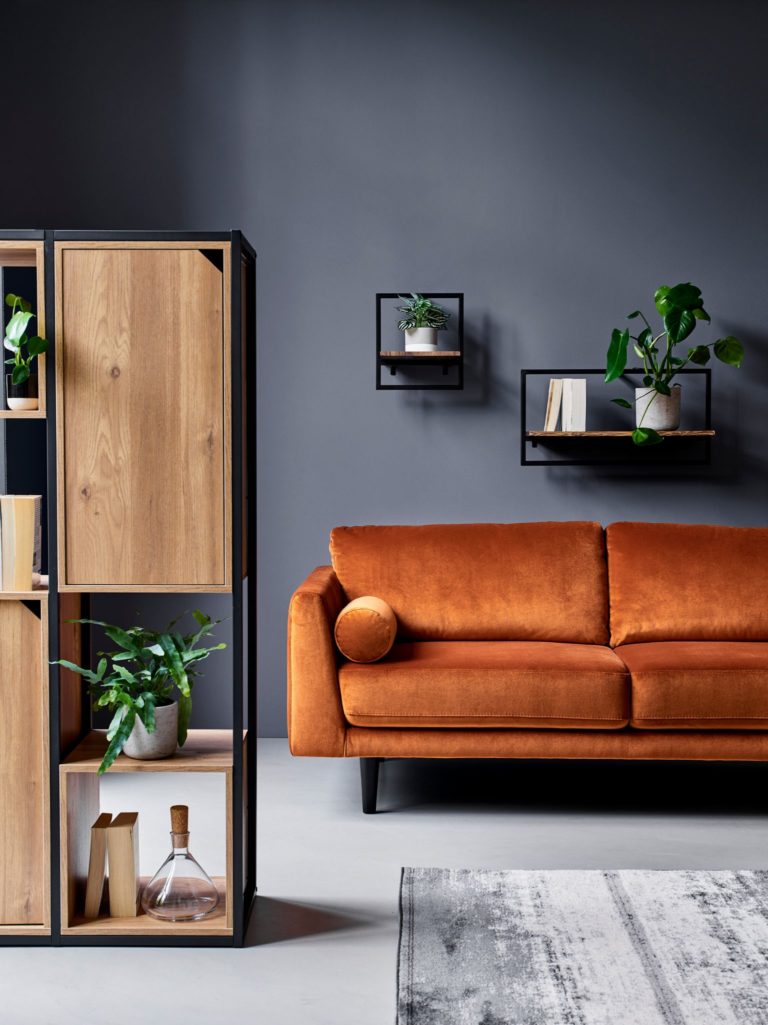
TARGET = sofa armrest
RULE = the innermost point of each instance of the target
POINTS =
(316, 723)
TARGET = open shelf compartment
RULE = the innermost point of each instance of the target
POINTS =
(206, 751)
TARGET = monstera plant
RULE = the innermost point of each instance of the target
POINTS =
(657, 403)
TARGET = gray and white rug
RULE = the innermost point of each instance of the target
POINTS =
(479, 947)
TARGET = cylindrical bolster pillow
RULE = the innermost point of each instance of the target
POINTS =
(365, 629)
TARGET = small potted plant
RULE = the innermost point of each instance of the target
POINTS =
(21, 384)
(421, 321)
(139, 682)
(657, 402)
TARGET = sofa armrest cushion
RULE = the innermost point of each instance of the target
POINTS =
(365, 629)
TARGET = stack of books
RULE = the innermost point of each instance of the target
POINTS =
(568, 394)
(114, 842)
(20, 542)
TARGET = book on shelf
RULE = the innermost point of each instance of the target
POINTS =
(20, 540)
(554, 398)
(123, 856)
(97, 866)
(574, 404)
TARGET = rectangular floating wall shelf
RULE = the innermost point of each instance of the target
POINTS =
(444, 360)
(688, 447)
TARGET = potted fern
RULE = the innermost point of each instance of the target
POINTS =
(421, 321)
(21, 383)
(657, 402)
(147, 685)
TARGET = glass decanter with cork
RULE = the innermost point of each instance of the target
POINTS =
(181, 890)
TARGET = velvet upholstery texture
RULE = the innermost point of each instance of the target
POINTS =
(674, 582)
(316, 724)
(486, 581)
(664, 745)
(365, 629)
(698, 685)
(489, 683)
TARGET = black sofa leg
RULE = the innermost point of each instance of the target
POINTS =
(369, 779)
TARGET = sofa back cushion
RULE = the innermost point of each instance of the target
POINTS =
(482, 581)
(675, 582)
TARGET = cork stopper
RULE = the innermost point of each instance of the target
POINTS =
(179, 825)
(179, 818)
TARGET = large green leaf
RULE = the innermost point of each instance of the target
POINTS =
(678, 324)
(684, 297)
(120, 734)
(86, 673)
(37, 345)
(660, 299)
(123, 638)
(17, 326)
(623, 403)
(662, 388)
(699, 355)
(20, 373)
(702, 314)
(174, 662)
(729, 350)
(617, 354)
(645, 436)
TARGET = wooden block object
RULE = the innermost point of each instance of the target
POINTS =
(97, 865)
(123, 854)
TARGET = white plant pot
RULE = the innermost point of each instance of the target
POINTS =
(421, 339)
(160, 744)
(659, 412)
(28, 403)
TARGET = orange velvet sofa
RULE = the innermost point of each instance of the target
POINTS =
(538, 640)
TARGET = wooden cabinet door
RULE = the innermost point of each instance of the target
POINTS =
(143, 377)
(23, 766)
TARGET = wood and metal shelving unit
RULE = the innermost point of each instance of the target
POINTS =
(690, 446)
(149, 487)
(447, 360)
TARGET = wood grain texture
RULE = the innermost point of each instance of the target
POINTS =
(79, 805)
(216, 924)
(72, 725)
(615, 434)
(204, 751)
(23, 766)
(143, 428)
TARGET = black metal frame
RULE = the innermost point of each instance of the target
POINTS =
(243, 583)
(445, 363)
(704, 442)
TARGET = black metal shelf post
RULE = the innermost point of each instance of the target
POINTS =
(410, 360)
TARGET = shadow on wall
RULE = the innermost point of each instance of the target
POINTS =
(483, 388)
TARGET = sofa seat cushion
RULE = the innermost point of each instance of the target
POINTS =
(528, 684)
(698, 685)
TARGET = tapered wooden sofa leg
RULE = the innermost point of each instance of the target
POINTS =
(369, 779)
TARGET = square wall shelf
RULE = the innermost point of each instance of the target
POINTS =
(430, 367)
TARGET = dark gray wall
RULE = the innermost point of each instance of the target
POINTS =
(555, 161)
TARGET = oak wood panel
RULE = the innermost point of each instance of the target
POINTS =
(71, 685)
(216, 924)
(24, 878)
(204, 751)
(79, 808)
(144, 434)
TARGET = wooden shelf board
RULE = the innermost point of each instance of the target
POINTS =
(402, 354)
(24, 930)
(615, 434)
(145, 925)
(22, 414)
(204, 751)
(39, 595)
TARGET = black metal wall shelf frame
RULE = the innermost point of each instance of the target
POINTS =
(243, 594)
(630, 455)
(391, 361)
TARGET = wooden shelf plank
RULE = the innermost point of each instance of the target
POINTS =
(402, 354)
(145, 925)
(615, 434)
(22, 414)
(40, 595)
(204, 751)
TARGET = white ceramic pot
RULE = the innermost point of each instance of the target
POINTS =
(421, 339)
(659, 412)
(160, 744)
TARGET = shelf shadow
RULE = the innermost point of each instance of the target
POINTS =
(275, 921)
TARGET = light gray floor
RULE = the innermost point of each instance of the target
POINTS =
(324, 937)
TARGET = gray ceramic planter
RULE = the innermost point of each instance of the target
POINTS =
(161, 743)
